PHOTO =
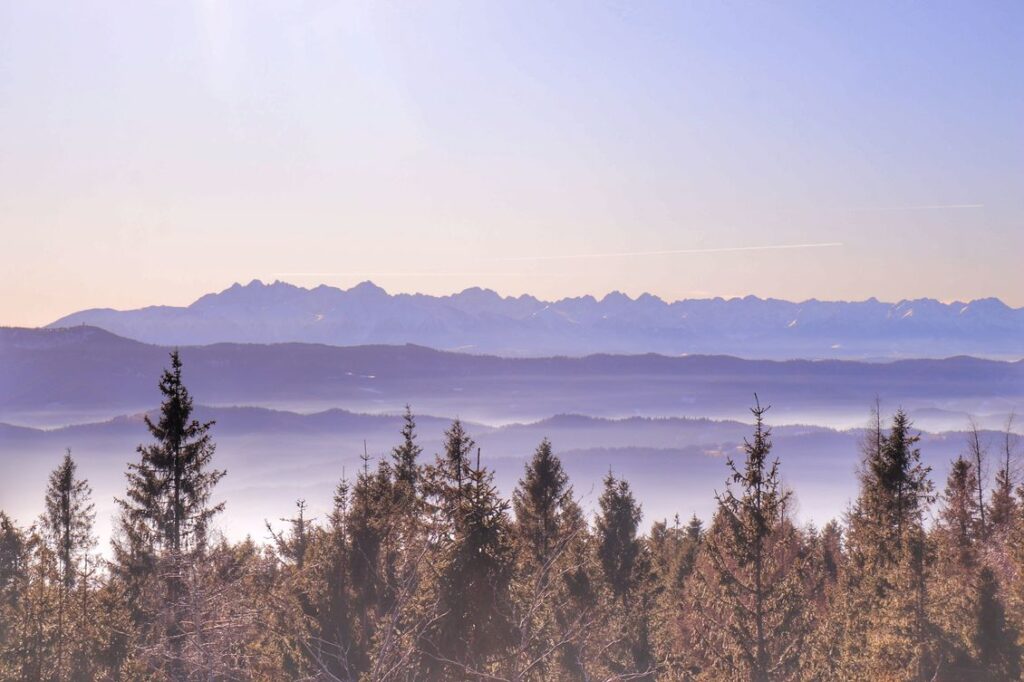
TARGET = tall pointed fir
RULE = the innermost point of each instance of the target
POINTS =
(405, 457)
(886, 629)
(372, 534)
(626, 599)
(328, 629)
(13, 586)
(747, 590)
(165, 519)
(1002, 505)
(956, 538)
(67, 525)
(550, 613)
(996, 649)
(474, 567)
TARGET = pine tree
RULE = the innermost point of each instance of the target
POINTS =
(747, 591)
(67, 529)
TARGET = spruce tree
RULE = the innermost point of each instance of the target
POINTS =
(67, 524)
(955, 538)
(333, 630)
(886, 631)
(539, 502)
(627, 601)
(978, 455)
(747, 591)
(13, 587)
(619, 549)
(995, 643)
(169, 488)
(475, 567)
(165, 515)
(293, 545)
(1002, 505)
(406, 455)
(960, 525)
(549, 533)
(372, 535)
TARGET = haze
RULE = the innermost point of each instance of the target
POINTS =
(152, 154)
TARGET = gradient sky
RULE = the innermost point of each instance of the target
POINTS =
(152, 152)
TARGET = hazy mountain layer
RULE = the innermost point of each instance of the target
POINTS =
(56, 377)
(481, 321)
(274, 458)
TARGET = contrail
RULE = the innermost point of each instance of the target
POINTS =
(925, 207)
(413, 274)
(671, 252)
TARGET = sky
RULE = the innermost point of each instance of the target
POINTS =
(153, 152)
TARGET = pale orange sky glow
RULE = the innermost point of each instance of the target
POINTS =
(152, 155)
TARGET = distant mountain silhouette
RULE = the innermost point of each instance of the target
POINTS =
(480, 321)
(86, 374)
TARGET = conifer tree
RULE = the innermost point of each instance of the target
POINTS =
(13, 586)
(67, 530)
(372, 560)
(822, 658)
(886, 632)
(293, 546)
(996, 648)
(169, 489)
(549, 611)
(956, 541)
(333, 631)
(475, 567)
(960, 525)
(539, 502)
(747, 591)
(1002, 505)
(12, 553)
(165, 515)
(405, 456)
(673, 550)
(978, 455)
(628, 599)
(619, 549)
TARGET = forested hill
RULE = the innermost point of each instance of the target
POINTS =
(87, 369)
(480, 321)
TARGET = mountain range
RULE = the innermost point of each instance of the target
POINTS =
(481, 321)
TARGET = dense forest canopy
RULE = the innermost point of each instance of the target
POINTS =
(423, 571)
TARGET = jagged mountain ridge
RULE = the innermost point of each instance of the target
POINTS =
(481, 321)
